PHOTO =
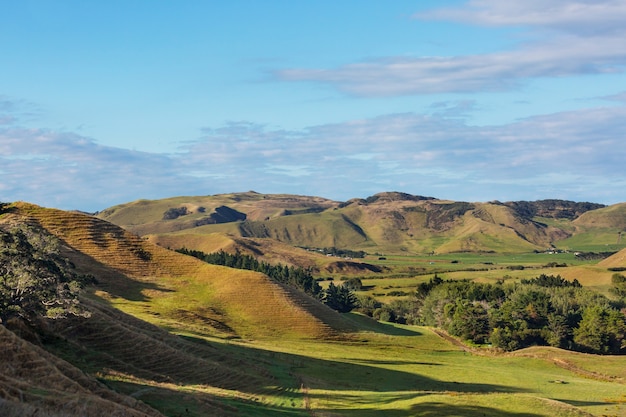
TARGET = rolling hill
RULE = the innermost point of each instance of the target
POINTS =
(133, 272)
(617, 260)
(389, 222)
(170, 335)
(142, 289)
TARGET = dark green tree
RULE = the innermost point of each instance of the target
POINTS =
(601, 330)
(340, 298)
(619, 285)
(34, 279)
(469, 320)
(355, 284)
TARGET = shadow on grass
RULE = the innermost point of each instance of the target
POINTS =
(186, 403)
(336, 375)
(584, 403)
(435, 409)
(395, 362)
(276, 383)
(369, 324)
(113, 281)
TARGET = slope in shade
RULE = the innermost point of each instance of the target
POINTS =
(34, 382)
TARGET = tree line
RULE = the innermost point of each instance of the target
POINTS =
(338, 297)
(547, 310)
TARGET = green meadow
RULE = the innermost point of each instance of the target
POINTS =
(407, 371)
(405, 272)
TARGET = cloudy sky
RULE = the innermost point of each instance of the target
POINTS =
(105, 102)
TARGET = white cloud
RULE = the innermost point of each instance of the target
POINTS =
(584, 38)
(576, 155)
(590, 16)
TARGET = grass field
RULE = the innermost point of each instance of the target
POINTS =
(410, 371)
(406, 272)
(397, 371)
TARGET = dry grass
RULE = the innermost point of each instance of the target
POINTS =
(617, 260)
(35, 382)
(156, 284)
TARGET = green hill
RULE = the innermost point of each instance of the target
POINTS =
(385, 223)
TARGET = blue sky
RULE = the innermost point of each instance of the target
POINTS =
(105, 102)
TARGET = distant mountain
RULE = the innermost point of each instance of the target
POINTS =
(389, 222)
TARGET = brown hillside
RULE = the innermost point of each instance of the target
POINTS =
(608, 217)
(445, 226)
(617, 260)
(33, 382)
(147, 217)
(163, 286)
(389, 222)
(266, 250)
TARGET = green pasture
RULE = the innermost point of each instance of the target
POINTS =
(410, 371)
(597, 240)
(390, 370)
(404, 273)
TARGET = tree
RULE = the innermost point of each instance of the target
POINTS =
(601, 330)
(368, 304)
(619, 285)
(469, 321)
(355, 284)
(340, 298)
(34, 279)
(558, 331)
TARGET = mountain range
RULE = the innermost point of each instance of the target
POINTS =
(390, 222)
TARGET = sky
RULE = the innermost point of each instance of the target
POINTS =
(106, 102)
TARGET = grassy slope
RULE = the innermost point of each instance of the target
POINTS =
(187, 296)
(386, 370)
(409, 371)
(34, 382)
(146, 216)
(598, 230)
(152, 283)
(617, 260)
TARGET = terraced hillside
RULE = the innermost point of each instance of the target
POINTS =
(385, 223)
(142, 291)
(35, 382)
(162, 286)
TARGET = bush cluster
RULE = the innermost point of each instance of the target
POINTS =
(547, 310)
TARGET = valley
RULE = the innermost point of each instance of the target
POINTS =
(171, 335)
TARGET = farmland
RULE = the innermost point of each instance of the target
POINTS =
(170, 335)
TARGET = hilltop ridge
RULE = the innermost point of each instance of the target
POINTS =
(387, 222)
